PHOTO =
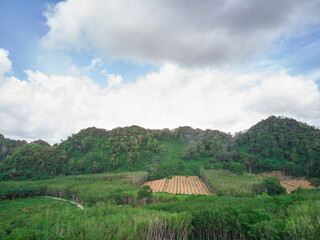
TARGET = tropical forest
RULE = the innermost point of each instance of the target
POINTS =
(183, 183)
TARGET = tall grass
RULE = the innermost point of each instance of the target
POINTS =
(225, 183)
(39, 218)
(87, 189)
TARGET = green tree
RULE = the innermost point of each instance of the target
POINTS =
(273, 186)
(237, 168)
(145, 193)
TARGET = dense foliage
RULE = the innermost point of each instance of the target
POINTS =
(8, 146)
(273, 144)
(87, 189)
(295, 216)
(41, 218)
(281, 143)
(160, 152)
(261, 217)
(245, 206)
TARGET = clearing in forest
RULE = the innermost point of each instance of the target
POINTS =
(288, 182)
(180, 184)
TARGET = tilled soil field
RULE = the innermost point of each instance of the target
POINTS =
(180, 184)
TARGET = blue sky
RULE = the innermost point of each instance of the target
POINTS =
(300, 54)
(22, 25)
(223, 65)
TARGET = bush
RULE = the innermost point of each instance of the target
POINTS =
(315, 182)
(237, 168)
(208, 166)
(218, 166)
(145, 193)
(273, 186)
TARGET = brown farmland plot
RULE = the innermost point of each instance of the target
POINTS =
(180, 184)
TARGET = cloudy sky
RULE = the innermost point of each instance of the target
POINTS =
(218, 64)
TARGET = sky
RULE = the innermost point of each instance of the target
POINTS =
(217, 64)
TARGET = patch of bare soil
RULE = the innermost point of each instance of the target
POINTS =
(61, 199)
(181, 185)
(288, 182)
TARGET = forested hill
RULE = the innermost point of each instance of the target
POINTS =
(281, 143)
(274, 143)
(160, 152)
(8, 146)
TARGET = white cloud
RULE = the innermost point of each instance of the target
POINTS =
(5, 63)
(94, 63)
(183, 31)
(103, 71)
(53, 107)
(286, 95)
(114, 81)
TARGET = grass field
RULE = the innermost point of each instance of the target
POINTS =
(87, 189)
(107, 216)
(43, 218)
(225, 183)
(180, 185)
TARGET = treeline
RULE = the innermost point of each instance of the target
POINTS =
(8, 146)
(133, 148)
(273, 144)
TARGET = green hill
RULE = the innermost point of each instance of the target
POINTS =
(8, 146)
(160, 152)
(281, 143)
(276, 143)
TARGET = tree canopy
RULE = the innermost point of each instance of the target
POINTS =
(276, 143)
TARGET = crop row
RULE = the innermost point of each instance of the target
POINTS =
(180, 184)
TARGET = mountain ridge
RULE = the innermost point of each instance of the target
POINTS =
(275, 143)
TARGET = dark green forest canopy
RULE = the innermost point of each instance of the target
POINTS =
(276, 143)
(279, 143)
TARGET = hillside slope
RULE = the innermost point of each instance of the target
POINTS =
(281, 143)
(160, 152)
(276, 143)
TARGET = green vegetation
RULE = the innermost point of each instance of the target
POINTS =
(103, 170)
(260, 217)
(162, 153)
(315, 182)
(41, 218)
(295, 216)
(273, 186)
(273, 144)
(226, 183)
(88, 189)
(280, 143)
(8, 146)
(145, 193)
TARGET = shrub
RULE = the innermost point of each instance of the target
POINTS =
(218, 166)
(145, 193)
(273, 186)
(237, 168)
(315, 182)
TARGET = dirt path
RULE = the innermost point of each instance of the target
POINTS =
(65, 200)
